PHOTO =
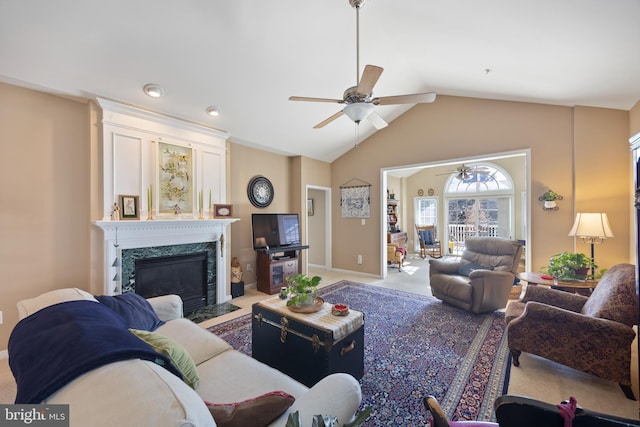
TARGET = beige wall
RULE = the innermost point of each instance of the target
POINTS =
(44, 197)
(245, 163)
(289, 176)
(602, 178)
(455, 127)
(634, 119)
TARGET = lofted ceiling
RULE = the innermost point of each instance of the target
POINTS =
(248, 56)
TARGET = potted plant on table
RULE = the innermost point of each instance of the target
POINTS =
(302, 290)
(568, 266)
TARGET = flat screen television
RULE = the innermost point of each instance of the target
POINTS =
(275, 230)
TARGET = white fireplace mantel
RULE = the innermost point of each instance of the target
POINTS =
(119, 235)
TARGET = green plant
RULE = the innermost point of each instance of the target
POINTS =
(564, 265)
(327, 420)
(302, 289)
(549, 196)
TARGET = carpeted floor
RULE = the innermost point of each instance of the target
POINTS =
(415, 345)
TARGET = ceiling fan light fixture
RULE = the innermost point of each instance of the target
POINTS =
(213, 111)
(153, 90)
(358, 111)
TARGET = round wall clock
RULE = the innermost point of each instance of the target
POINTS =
(260, 191)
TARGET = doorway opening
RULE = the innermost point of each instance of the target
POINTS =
(501, 211)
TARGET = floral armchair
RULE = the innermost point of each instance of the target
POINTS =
(591, 334)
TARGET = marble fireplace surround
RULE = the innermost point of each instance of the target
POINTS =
(122, 235)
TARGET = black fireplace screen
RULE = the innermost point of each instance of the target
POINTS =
(184, 275)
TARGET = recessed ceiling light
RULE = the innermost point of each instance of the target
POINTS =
(213, 111)
(153, 90)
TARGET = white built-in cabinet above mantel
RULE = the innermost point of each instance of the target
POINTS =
(135, 146)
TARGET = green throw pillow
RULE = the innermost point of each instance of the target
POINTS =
(179, 356)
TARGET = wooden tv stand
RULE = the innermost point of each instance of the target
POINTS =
(274, 265)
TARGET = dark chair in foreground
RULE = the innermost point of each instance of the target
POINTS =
(440, 419)
(483, 277)
(429, 243)
(517, 411)
(591, 334)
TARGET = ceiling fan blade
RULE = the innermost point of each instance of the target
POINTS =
(369, 78)
(329, 120)
(377, 121)
(416, 98)
(307, 99)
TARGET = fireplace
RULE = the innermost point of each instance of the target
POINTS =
(125, 242)
(183, 275)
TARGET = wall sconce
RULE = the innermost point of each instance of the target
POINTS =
(549, 198)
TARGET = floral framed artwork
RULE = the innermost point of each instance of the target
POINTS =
(222, 211)
(175, 183)
(129, 207)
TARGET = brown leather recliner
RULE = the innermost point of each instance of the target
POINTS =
(482, 279)
(591, 334)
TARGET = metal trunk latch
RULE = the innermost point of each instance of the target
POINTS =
(283, 332)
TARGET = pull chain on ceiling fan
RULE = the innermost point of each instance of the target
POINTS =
(359, 99)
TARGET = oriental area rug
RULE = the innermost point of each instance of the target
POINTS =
(415, 346)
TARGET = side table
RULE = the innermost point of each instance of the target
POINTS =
(307, 346)
(582, 288)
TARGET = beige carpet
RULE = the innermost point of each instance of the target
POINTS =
(550, 382)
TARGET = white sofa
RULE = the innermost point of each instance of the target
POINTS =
(141, 393)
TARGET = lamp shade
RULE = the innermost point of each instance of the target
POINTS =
(358, 111)
(591, 225)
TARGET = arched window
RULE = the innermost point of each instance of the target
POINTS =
(479, 201)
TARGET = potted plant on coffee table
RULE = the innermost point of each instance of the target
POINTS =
(568, 266)
(302, 290)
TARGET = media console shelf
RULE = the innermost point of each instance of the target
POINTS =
(274, 265)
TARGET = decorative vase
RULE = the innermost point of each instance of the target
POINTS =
(306, 300)
(550, 204)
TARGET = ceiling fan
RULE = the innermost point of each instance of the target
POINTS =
(359, 99)
(464, 172)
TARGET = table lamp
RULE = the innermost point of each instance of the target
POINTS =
(591, 228)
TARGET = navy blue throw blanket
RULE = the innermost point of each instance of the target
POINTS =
(57, 344)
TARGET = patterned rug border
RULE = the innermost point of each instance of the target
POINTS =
(467, 397)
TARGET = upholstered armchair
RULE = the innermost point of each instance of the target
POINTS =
(482, 279)
(395, 255)
(591, 334)
(429, 242)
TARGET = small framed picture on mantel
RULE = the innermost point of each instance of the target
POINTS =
(129, 207)
(222, 211)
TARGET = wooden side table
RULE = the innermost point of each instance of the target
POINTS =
(582, 288)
